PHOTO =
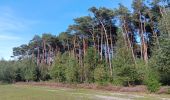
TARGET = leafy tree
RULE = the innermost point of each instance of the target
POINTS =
(90, 63)
(94, 50)
(43, 71)
(28, 68)
(163, 56)
(58, 71)
(101, 75)
(72, 71)
(7, 71)
(123, 63)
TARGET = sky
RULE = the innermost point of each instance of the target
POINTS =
(20, 20)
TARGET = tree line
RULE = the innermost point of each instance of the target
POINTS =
(117, 46)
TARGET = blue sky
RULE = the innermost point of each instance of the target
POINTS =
(20, 20)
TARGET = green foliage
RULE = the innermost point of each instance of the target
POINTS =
(163, 55)
(118, 81)
(123, 64)
(19, 75)
(7, 71)
(152, 82)
(65, 68)
(163, 62)
(90, 62)
(93, 50)
(168, 91)
(72, 70)
(143, 70)
(11, 71)
(58, 71)
(44, 72)
(28, 69)
(100, 74)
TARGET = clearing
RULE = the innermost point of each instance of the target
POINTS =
(26, 92)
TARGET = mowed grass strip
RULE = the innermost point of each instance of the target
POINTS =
(12, 92)
(25, 92)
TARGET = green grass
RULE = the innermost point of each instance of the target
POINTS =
(20, 92)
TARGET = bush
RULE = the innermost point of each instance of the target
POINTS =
(58, 73)
(142, 71)
(124, 73)
(19, 75)
(44, 72)
(169, 91)
(90, 62)
(9, 74)
(28, 69)
(118, 81)
(7, 71)
(58, 69)
(71, 70)
(100, 75)
(152, 82)
(123, 65)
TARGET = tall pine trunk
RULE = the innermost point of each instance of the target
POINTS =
(101, 45)
(129, 42)
(108, 50)
(143, 44)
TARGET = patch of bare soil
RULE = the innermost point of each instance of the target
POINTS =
(164, 90)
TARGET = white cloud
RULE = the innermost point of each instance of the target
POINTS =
(13, 29)
(9, 21)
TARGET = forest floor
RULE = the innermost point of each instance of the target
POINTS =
(30, 92)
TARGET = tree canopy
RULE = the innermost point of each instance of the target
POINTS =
(115, 46)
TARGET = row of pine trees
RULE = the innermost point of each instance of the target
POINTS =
(119, 46)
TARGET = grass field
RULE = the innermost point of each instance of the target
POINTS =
(21, 92)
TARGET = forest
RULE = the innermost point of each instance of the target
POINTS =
(117, 46)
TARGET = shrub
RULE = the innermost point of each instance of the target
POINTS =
(44, 72)
(168, 91)
(90, 62)
(57, 71)
(100, 75)
(118, 81)
(71, 70)
(7, 71)
(28, 68)
(152, 82)
(9, 74)
(123, 63)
